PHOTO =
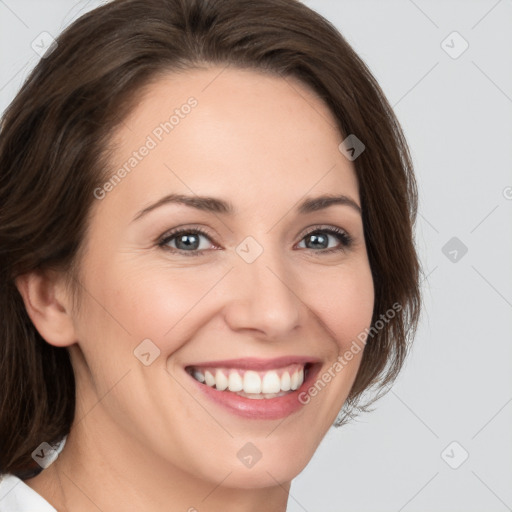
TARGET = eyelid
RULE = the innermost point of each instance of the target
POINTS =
(321, 227)
(185, 228)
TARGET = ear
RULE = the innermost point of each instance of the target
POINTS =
(48, 306)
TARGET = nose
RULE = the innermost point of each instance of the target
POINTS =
(263, 296)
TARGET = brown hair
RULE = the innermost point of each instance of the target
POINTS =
(53, 154)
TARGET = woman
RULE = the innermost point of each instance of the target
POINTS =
(207, 256)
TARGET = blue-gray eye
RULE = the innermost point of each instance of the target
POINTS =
(188, 241)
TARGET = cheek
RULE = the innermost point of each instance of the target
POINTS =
(163, 304)
(344, 301)
(167, 304)
(342, 298)
(170, 305)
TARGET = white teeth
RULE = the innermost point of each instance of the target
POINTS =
(294, 381)
(252, 382)
(221, 381)
(285, 382)
(209, 378)
(235, 382)
(198, 376)
(271, 383)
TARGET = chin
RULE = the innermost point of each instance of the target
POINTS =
(260, 476)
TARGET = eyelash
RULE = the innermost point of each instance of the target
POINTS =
(343, 237)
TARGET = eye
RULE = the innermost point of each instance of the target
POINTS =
(319, 239)
(187, 241)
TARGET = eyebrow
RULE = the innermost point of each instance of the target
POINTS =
(217, 205)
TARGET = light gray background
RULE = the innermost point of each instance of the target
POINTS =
(457, 384)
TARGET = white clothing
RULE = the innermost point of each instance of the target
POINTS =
(17, 496)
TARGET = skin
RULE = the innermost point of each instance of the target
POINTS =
(144, 438)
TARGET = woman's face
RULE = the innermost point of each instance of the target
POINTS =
(265, 290)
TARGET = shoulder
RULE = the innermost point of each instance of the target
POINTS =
(17, 496)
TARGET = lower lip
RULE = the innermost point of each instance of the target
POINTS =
(260, 409)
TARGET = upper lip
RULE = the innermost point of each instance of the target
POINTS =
(253, 363)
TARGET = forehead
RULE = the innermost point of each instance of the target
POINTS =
(229, 132)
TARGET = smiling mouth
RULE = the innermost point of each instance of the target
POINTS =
(246, 383)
